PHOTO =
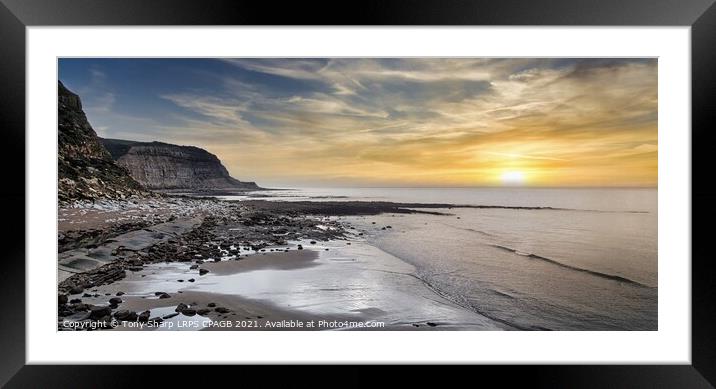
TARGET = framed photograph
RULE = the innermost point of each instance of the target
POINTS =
(487, 183)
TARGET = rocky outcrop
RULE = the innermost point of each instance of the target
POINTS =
(86, 170)
(163, 166)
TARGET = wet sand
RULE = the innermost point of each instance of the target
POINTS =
(354, 283)
(296, 259)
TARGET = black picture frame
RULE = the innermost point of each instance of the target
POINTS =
(700, 15)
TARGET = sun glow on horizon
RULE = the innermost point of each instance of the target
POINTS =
(512, 177)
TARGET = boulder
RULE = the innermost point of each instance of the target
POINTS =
(76, 290)
(143, 317)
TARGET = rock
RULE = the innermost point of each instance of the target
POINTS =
(61, 299)
(86, 295)
(192, 267)
(313, 242)
(75, 301)
(180, 280)
(76, 290)
(300, 247)
(212, 305)
(202, 272)
(115, 300)
(143, 317)
(181, 307)
(78, 316)
(431, 324)
(221, 310)
(203, 311)
(124, 315)
(81, 307)
(164, 295)
(169, 316)
(100, 311)
(191, 280)
(189, 312)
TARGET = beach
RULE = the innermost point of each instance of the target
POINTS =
(490, 260)
(205, 264)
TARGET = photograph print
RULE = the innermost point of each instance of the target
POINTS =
(361, 194)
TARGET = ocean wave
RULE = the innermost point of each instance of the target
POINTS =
(574, 268)
(469, 230)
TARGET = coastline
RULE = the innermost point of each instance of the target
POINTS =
(191, 276)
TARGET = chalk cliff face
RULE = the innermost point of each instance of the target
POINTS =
(163, 166)
(85, 168)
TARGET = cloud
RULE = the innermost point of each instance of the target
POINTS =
(426, 121)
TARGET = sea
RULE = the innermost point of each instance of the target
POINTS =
(587, 259)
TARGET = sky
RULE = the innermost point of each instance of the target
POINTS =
(395, 122)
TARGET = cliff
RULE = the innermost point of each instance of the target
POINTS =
(163, 166)
(86, 170)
